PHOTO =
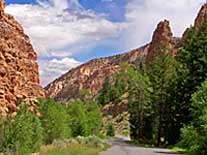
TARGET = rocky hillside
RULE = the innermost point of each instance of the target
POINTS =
(92, 74)
(19, 77)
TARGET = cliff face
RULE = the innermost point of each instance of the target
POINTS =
(19, 77)
(201, 17)
(90, 75)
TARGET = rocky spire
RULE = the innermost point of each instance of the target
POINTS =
(162, 35)
(201, 17)
(2, 7)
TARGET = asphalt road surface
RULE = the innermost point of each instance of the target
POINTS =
(119, 147)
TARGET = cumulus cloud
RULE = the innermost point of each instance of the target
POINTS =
(53, 26)
(52, 69)
(143, 17)
(61, 28)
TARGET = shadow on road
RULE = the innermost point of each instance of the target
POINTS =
(164, 152)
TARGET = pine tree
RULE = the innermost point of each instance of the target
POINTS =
(163, 74)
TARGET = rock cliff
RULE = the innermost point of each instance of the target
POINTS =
(90, 75)
(201, 17)
(19, 77)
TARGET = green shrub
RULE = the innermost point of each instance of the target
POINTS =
(54, 120)
(77, 119)
(94, 118)
(23, 134)
(189, 139)
(110, 130)
(84, 118)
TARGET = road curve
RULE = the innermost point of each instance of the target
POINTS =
(119, 147)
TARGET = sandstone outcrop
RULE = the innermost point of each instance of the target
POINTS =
(90, 76)
(162, 37)
(201, 17)
(19, 76)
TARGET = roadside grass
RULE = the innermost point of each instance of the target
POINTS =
(74, 149)
(91, 145)
(180, 150)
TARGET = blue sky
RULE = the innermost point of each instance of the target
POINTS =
(66, 33)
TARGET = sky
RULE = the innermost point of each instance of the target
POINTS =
(67, 33)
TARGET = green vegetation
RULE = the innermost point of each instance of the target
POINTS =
(21, 135)
(84, 118)
(25, 133)
(194, 135)
(54, 120)
(163, 75)
(110, 131)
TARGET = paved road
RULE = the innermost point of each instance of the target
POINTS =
(119, 147)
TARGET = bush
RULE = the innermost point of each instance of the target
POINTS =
(189, 139)
(84, 118)
(94, 117)
(110, 130)
(54, 120)
(23, 134)
(194, 136)
(77, 119)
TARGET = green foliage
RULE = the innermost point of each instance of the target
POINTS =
(23, 134)
(189, 139)
(77, 118)
(94, 117)
(137, 85)
(193, 59)
(110, 131)
(105, 95)
(163, 76)
(194, 137)
(54, 120)
(84, 118)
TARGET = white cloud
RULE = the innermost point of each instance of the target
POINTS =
(61, 28)
(143, 17)
(53, 26)
(52, 69)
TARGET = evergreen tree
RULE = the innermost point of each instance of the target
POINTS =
(192, 71)
(163, 74)
(137, 85)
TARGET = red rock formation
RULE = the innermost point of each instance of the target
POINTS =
(201, 17)
(90, 76)
(19, 77)
(162, 36)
